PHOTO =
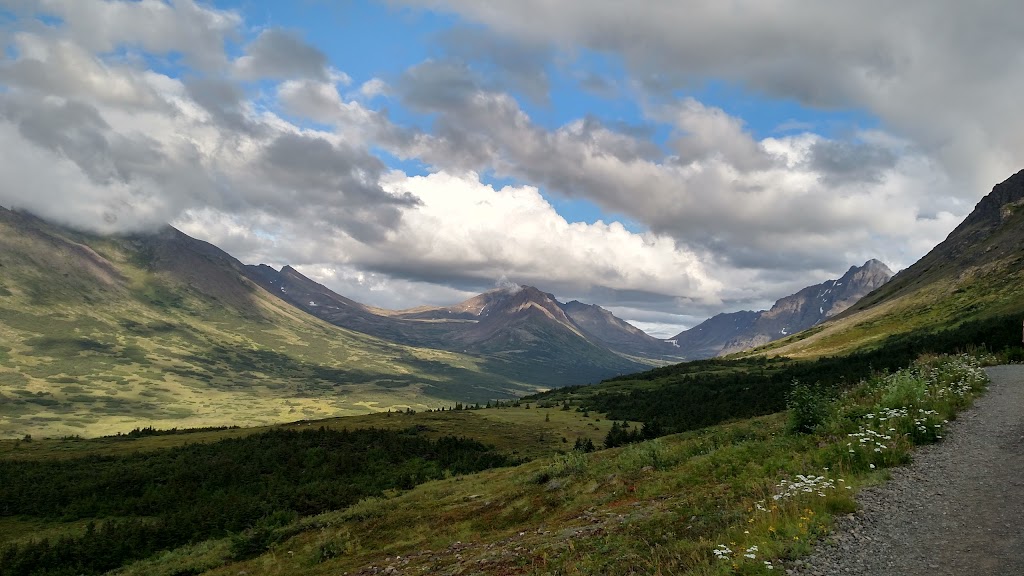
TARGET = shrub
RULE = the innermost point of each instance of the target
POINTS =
(569, 464)
(808, 407)
(638, 456)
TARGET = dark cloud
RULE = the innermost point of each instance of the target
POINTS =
(280, 54)
(625, 141)
(509, 64)
(438, 86)
(341, 184)
(225, 101)
(76, 131)
(477, 127)
(843, 161)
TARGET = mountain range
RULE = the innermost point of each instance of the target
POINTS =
(103, 332)
(731, 332)
(507, 322)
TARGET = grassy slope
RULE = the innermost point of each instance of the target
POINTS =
(94, 340)
(977, 274)
(657, 507)
(520, 432)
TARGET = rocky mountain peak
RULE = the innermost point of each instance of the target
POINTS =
(727, 333)
(989, 211)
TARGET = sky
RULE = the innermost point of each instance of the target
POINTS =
(666, 160)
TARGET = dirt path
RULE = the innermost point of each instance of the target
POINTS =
(957, 509)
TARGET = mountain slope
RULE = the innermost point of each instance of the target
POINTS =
(615, 332)
(709, 338)
(737, 331)
(103, 334)
(521, 333)
(974, 274)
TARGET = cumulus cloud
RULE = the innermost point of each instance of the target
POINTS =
(280, 54)
(262, 155)
(932, 72)
(799, 202)
(140, 148)
(513, 232)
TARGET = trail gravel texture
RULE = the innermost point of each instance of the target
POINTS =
(957, 509)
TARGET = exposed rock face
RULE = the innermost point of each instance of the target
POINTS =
(733, 332)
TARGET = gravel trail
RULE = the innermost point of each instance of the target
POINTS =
(958, 508)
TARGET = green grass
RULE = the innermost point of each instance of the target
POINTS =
(661, 506)
(993, 290)
(140, 346)
(517, 431)
(131, 366)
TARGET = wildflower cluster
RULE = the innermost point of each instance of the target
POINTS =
(723, 552)
(958, 378)
(869, 438)
(804, 485)
(873, 424)
(925, 426)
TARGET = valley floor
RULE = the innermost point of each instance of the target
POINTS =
(956, 510)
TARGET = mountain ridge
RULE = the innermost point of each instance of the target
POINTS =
(101, 334)
(510, 325)
(728, 333)
(975, 273)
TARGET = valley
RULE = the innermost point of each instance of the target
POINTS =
(101, 335)
(747, 458)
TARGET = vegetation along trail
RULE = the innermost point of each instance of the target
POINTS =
(956, 510)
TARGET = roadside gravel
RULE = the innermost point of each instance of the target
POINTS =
(958, 508)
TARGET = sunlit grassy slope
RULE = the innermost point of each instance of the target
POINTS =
(99, 335)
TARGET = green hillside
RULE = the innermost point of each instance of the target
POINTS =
(100, 334)
(976, 274)
(760, 491)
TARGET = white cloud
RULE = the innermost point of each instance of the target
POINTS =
(374, 87)
(934, 72)
(94, 137)
(469, 228)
